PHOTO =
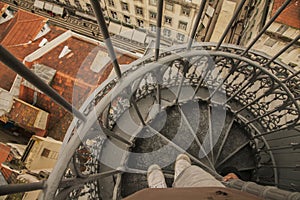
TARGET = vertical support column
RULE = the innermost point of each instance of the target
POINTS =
(196, 24)
(233, 19)
(158, 28)
(157, 46)
(102, 25)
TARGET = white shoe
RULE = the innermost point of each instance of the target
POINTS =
(155, 177)
(182, 162)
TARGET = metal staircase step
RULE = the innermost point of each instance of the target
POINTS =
(225, 130)
(242, 161)
(191, 112)
(236, 140)
(173, 130)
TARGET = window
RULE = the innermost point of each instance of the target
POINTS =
(140, 23)
(139, 10)
(127, 19)
(169, 6)
(182, 25)
(180, 37)
(168, 20)
(152, 15)
(294, 65)
(152, 27)
(282, 29)
(53, 155)
(270, 42)
(4, 15)
(185, 11)
(114, 14)
(153, 2)
(46, 153)
(124, 6)
(167, 32)
(111, 2)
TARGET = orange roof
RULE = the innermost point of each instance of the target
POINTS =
(7, 76)
(77, 63)
(28, 116)
(4, 152)
(290, 16)
(23, 28)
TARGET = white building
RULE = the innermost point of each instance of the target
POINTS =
(177, 22)
(178, 18)
(41, 153)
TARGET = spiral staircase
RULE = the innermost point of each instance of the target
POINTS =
(229, 108)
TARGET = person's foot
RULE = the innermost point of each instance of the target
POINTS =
(182, 162)
(155, 177)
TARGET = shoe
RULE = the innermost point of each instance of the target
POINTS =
(155, 177)
(182, 162)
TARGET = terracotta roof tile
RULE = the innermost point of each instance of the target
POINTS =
(77, 63)
(4, 152)
(24, 114)
(73, 77)
(7, 76)
(290, 16)
(23, 28)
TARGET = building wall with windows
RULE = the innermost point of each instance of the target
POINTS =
(179, 17)
(258, 14)
(41, 153)
(177, 22)
(279, 34)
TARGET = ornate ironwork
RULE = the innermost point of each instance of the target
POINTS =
(266, 99)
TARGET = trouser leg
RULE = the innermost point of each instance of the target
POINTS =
(194, 176)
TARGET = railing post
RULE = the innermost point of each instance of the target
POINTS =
(102, 25)
(158, 28)
(196, 24)
(233, 19)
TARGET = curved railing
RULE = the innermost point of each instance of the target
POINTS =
(255, 96)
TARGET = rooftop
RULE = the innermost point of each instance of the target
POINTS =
(28, 116)
(290, 16)
(73, 57)
(77, 74)
(22, 29)
(20, 50)
(71, 63)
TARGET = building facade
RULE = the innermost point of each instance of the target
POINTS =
(178, 17)
(284, 30)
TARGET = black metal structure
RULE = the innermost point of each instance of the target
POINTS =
(254, 95)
